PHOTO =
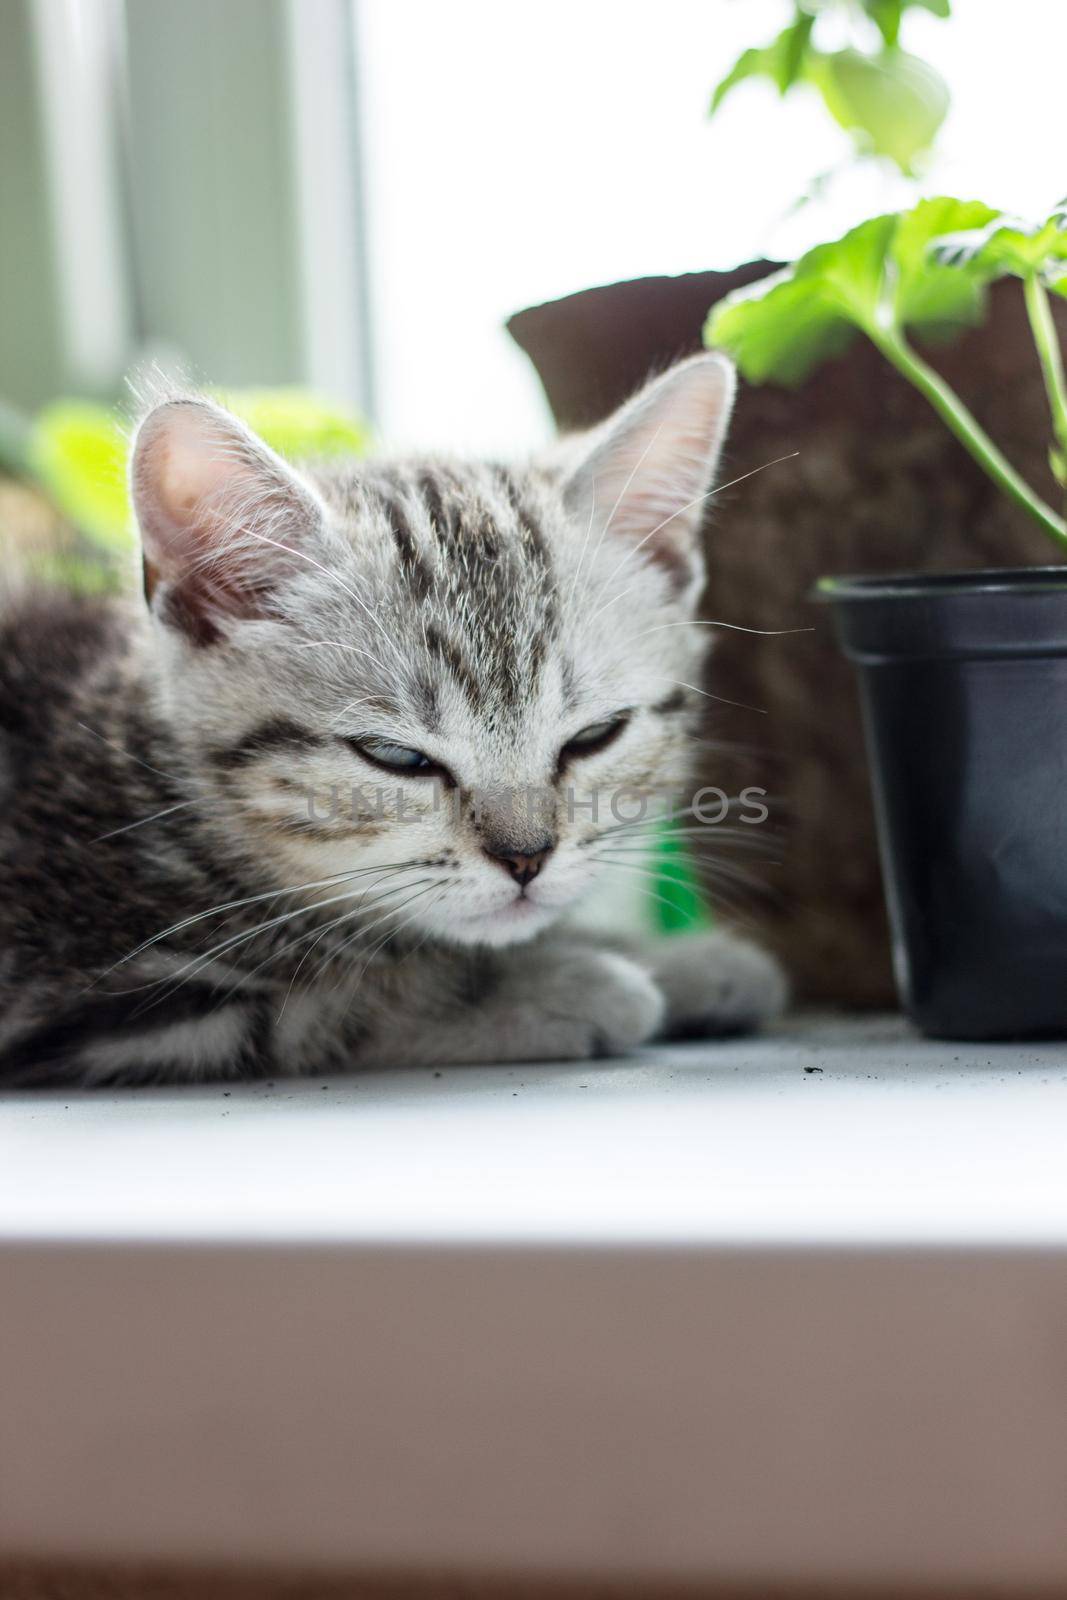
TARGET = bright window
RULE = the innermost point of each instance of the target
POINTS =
(514, 154)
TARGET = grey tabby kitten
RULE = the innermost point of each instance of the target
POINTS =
(267, 823)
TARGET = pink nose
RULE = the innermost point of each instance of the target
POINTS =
(523, 865)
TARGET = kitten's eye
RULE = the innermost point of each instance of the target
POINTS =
(597, 736)
(395, 757)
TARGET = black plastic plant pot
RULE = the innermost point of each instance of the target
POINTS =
(963, 679)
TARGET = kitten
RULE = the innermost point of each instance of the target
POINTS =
(270, 821)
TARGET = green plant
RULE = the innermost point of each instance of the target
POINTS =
(920, 272)
(891, 103)
(76, 451)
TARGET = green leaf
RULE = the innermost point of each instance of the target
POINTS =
(893, 103)
(780, 328)
(784, 326)
(887, 14)
(1007, 246)
(854, 266)
(790, 49)
(77, 451)
(876, 278)
(927, 294)
(829, 293)
(301, 426)
(749, 64)
(782, 61)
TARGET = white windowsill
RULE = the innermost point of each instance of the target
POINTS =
(701, 1311)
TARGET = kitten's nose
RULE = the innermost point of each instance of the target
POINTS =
(523, 865)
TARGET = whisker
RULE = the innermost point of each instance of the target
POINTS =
(599, 612)
(720, 488)
(709, 834)
(738, 704)
(254, 899)
(689, 506)
(352, 704)
(337, 644)
(687, 821)
(198, 963)
(170, 776)
(725, 747)
(658, 820)
(708, 866)
(417, 947)
(361, 933)
(718, 897)
(337, 921)
(734, 627)
(332, 644)
(142, 822)
(677, 826)
(655, 877)
(316, 933)
(392, 931)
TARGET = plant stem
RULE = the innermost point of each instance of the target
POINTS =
(1049, 354)
(968, 430)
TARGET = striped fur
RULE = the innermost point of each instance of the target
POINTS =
(205, 869)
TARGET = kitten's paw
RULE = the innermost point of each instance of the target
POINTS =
(717, 983)
(596, 1003)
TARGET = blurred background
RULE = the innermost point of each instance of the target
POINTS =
(353, 195)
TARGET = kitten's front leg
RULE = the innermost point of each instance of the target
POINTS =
(714, 983)
(554, 1001)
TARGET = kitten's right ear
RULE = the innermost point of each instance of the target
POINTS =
(223, 520)
(647, 471)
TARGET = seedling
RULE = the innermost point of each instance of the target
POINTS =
(919, 273)
(891, 103)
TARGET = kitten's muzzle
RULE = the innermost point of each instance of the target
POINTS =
(522, 865)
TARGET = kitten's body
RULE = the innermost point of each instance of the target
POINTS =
(188, 888)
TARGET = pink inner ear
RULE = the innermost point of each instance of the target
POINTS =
(652, 465)
(214, 507)
(190, 473)
(185, 470)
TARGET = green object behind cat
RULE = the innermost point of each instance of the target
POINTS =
(678, 905)
(77, 451)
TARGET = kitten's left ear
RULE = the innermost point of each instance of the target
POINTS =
(650, 467)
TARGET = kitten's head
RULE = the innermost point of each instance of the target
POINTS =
(428, 690)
